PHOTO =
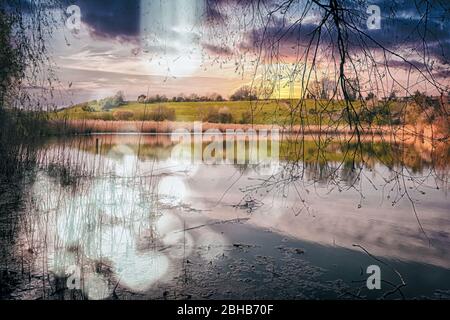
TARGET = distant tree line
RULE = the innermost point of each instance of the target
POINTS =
(244, 93)
(193, 97)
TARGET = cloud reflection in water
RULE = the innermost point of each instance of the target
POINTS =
(116, 220)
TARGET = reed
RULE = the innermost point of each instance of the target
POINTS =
(101, 126)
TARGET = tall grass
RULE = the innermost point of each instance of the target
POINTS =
(19, 136)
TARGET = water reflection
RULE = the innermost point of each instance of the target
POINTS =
(133, 214)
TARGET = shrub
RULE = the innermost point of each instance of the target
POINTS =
(123, 115)
(112, 102)
(412, 113)
(246, 117)
(87, 108)
(222, 115)
(212, 116)
(161, 113)
(225, 115)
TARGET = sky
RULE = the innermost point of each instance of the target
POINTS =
(206, 46)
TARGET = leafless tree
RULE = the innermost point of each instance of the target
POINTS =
(296, 44)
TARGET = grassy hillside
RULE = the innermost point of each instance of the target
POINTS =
(264, 112)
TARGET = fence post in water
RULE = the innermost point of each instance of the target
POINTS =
(96, 146)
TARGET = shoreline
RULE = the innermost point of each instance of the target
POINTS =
(94, 127)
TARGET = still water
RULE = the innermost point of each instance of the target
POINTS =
(132, 217)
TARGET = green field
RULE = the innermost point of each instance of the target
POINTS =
(264, 112)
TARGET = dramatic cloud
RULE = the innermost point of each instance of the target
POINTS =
(402, 25)
(432, 38)
(111, 18)
(181, 38)
(400, 31)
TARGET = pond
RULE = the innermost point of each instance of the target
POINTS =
(133, 217)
